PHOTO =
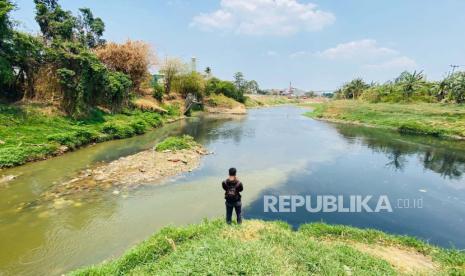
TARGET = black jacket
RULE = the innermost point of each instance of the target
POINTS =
(228, 184)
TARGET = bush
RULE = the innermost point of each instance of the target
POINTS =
(152, 119)
(118, 130)
(192, 83)
(173, 110)
(176, 143)
(18, 155)
(139, 126)
(158, 91)
(74, 139)
(133, 58)
(454, 87)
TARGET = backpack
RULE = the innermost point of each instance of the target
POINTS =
(231, 193)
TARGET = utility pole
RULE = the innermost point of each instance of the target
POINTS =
(454, 66)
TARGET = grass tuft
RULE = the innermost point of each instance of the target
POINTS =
(176, 143)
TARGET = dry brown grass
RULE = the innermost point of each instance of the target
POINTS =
(404, 260)
(148, 104)
(132, 58)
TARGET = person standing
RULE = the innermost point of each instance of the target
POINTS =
(232, 188)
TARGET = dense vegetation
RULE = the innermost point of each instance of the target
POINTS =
(28, 133)
(420, 118)
(67, 86)
(407, 87)
(410, 104)
(71, 64)
(273, 248)
(60, 63)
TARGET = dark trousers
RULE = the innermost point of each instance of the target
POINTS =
(236, 205)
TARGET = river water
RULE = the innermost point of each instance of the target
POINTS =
(277, 151)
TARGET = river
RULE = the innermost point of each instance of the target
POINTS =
(277, 151)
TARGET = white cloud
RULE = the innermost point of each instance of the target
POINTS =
(359, 49)
(398, 63)
(264, 17)
(370, 55)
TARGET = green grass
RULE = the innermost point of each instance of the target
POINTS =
(27, 134)
(176, 143)
(267, 248)
(268, 100)
(419, 118)
(220, 100)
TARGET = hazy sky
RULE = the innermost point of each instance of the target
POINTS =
(317, 44)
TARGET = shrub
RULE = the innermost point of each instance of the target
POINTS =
(158, 91)
(74, 139)
(176, 143)
(454, 87)
(133, 58)
(192, 83)
(173, 110)
(139, 126)
(118, 130)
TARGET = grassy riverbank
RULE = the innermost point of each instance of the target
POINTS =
(29, 132)
(253, 101)
(273, 248)
(421, 118)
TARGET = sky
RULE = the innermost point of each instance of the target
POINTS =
(317, 45)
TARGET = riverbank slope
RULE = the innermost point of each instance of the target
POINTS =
(273, 248)
(446, 120)
(35, 132)
(257, 100)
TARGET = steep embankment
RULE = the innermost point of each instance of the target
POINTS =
(273, 248)
(224, 105)
(446, 120)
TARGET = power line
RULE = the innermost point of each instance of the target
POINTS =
(454, 66)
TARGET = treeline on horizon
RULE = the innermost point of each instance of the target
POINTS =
(407, 87)
(71, 65)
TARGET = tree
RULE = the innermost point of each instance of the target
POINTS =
(455, 87)
(352, 89)
(211, 86)
(190, 83)
(208, 71)
(90, 29)
(54, 22)
(27, 57)
(133, 58)
(170, 68)
(239, 81)
(252, 87)
(410, 82)
(6, 69)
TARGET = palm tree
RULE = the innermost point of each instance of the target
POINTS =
(354, 89)
(208, 71)
(410, 82)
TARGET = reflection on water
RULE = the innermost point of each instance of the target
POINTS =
(443, 157)
(277, 151)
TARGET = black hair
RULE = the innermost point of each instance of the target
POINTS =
(232, 172)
